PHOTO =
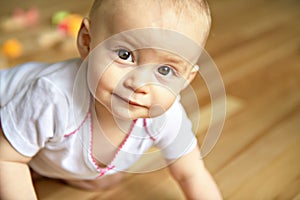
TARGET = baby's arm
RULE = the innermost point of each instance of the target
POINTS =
(192, 176)
(15, 181)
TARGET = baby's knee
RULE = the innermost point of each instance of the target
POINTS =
(97, 184)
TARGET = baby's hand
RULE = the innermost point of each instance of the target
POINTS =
(12, 163)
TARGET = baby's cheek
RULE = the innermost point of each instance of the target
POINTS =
(161, 102)
(156, 110)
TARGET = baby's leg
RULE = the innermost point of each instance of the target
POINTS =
(34, 175)
(97, 184)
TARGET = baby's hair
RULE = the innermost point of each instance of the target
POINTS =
(194, 8)
(196, 5)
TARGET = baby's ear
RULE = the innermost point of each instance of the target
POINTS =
(84, 38)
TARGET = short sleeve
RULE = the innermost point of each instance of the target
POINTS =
(36, 113)
(175, 136)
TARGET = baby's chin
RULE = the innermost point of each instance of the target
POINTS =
(126, 114)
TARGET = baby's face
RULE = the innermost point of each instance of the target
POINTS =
(141, 58)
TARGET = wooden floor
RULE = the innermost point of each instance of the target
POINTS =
(256, 45)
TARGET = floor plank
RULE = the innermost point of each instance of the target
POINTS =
(264, 151)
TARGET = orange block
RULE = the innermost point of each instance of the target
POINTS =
(12, 48)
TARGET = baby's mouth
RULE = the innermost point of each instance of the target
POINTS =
(135, 104)
(130, 102)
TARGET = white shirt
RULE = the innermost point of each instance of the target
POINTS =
(45, 114)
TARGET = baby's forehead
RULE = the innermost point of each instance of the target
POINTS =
(119, 15)
(191, 7)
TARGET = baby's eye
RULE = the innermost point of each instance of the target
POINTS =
(125, 55)
(165, 70)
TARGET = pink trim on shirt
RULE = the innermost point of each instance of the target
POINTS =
(91, 146)
(79, 127)
(147, 131)
(103, 171)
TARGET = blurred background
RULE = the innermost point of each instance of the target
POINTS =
(256, 46)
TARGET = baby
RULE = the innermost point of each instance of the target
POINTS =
(87, 121)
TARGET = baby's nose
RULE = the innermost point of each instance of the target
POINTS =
(139, 80)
